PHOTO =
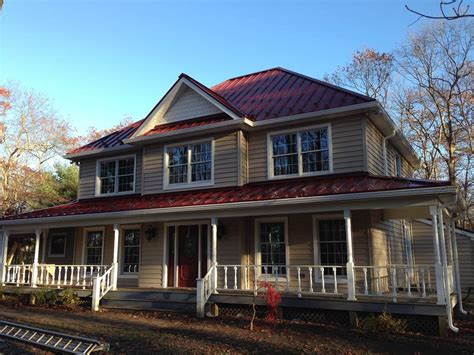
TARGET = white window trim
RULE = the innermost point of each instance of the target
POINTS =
(258, 254)
(300, 173)
(189, 184)
(317, 250)
(50, 239)
(116, 159)
(123, 274)
(84, 243)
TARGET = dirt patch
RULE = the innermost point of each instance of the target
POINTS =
(151, 332)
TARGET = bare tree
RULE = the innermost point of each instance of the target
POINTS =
(436, 100)
(32, 135)
(369, 72)
(447, 12)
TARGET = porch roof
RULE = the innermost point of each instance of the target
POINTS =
(263, 191)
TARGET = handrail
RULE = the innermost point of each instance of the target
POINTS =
(205, 287)
(101, 285)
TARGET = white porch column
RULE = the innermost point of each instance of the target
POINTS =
(214, 248)
(115, 256)
(34, 274)
(350, 258)
(444, 256)
(457, 277)
(438, 267)
(4, 256)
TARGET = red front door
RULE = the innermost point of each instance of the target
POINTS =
(188, 257)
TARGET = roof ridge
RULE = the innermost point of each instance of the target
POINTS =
(318, 81)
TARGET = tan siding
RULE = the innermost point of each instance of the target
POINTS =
(243, 158)
(151, 262)
(189, 105)
(466, 261)
(389, 234)
(229, 249)
(347, 146)
(87, 175)
(375, 161)
(225, 164)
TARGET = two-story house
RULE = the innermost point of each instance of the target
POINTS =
(272, 176)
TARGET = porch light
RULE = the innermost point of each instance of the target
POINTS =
(150, 233)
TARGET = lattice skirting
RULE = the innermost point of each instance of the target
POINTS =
(410, 323)
(427, 325)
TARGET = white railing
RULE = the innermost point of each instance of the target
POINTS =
(69, 275)
(17, 274)
(302, 279)
(101, 285)
(205, 287)
(395, 280)
(51, 275)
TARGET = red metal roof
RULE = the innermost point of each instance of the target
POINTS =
(111, 140)
(270, 190)
(279, 92)
(194, 122)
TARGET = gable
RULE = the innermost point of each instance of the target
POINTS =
(187, 105)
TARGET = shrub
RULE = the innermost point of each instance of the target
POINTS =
(383, 323)
(55, 297)
(68, 297)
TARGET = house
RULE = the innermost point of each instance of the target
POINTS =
(271, 176)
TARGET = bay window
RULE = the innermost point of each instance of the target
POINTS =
(189, 164)
(299, 153)
(116, 176)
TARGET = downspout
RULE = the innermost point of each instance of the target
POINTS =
(384, 147)
(449, 308)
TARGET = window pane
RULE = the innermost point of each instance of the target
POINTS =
(178, 155)
(201, 152)
(201, 171)
(285, 165)
(284, 144)
(333, 246)
(126, 166)
(272, 246)
(131, 250)
(125, 183)
(107, 169)
(178, 174)
(58, 245)
(94, 248)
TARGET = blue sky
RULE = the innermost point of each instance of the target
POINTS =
(102, 60)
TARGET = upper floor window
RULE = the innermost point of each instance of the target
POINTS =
(189, 164)
(398, 165)
(116, 176)
(299, 153)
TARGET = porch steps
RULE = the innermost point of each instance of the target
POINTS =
(153, 300)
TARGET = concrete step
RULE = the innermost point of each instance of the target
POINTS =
(149, 305)
(152, 295)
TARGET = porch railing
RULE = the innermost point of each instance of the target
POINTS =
(51, 275)
(389, 281)
(205, 287)
(101, 285)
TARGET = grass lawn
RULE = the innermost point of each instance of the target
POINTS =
(152, 332)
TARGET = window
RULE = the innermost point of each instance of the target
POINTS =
(398, 165)
(332, 244)
(189, 164)
(131, 251)
(94, 245)
(305, 152)
(272, 245)
(116, 176)
(57, 245)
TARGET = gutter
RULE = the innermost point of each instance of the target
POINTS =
(358, 196)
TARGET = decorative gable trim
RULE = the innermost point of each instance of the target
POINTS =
(157, 115)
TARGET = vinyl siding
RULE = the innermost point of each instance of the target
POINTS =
(225, 164)
(243, 157)
(187, 105)
(151, 263)
(375, 161)
(347, 147)
(87, 175)
(424, 252)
